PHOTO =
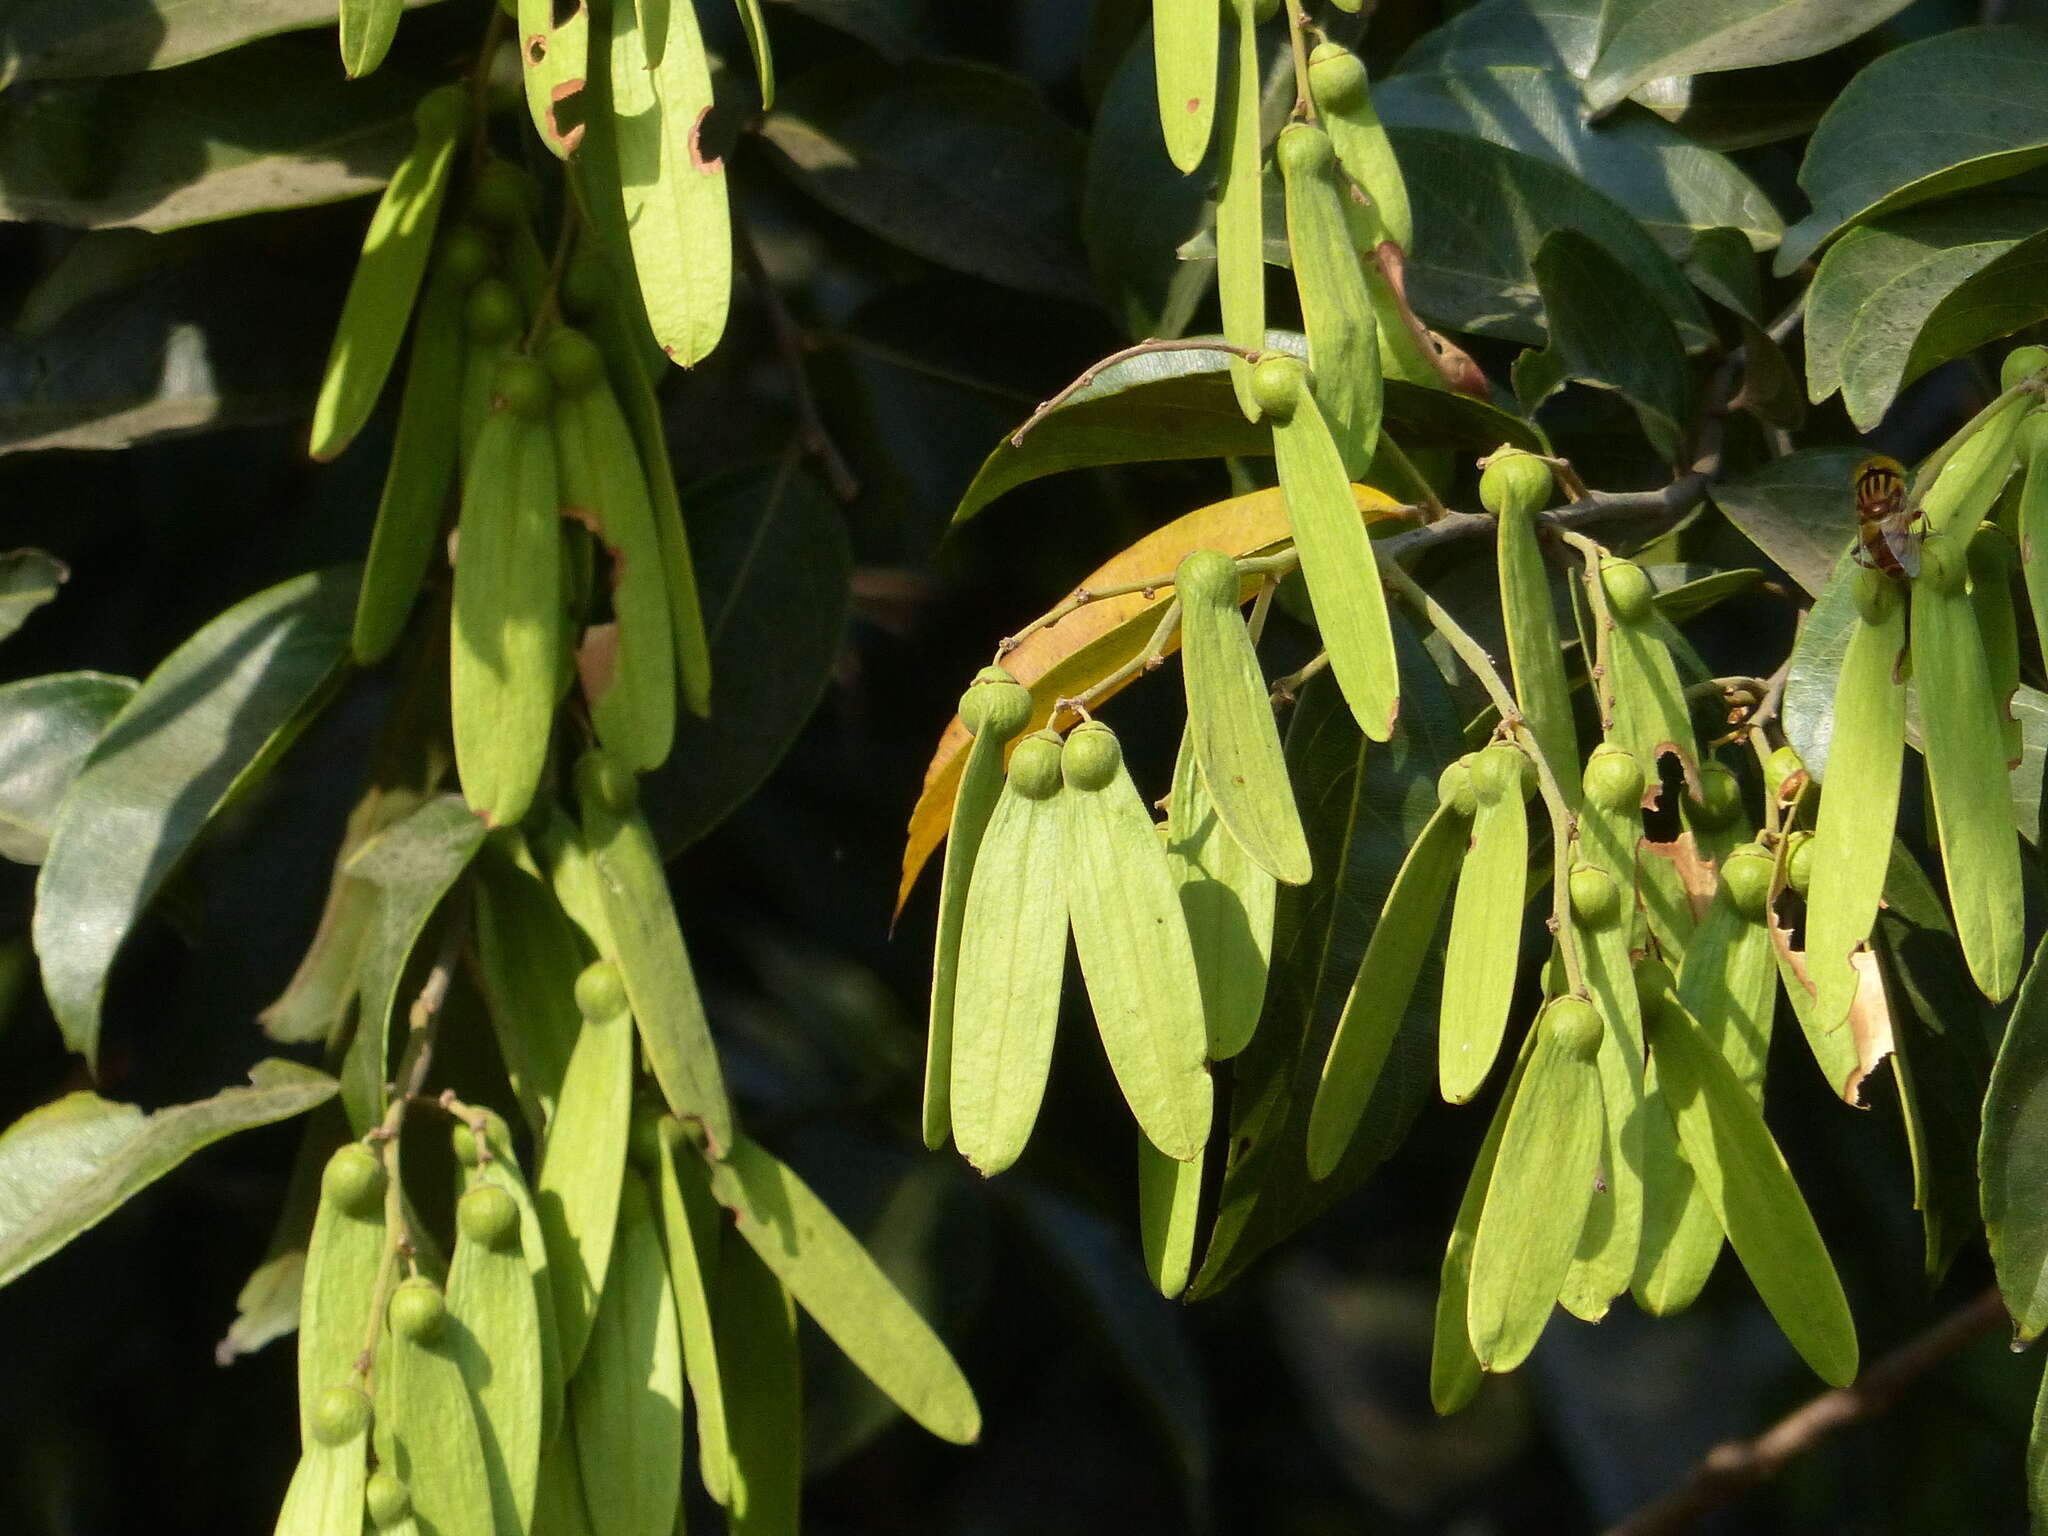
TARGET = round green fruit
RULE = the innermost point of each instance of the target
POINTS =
(2021, 363)
(1454, 786)
(1877, 595)
(492, 314)
(1515, 482)
(1303, 150)
(465, 256)
(1614, 780)
(1497, 773)
(1747, 875)
(600, 991)
(1596, 899)
(489, 1215)
(603, 778)
(588, 285)
(442, 113)
(1574, 1024)
(995, 701)
(1783, 767)
(504, 196)
(354, 1180)
(1799, 861)
(1035, 766)
(340, 1414)
(1277, 383)
(1336, 78)
(572, 361)
(417, 1310)
(1091, 756)
(1207, 576)
(1629, 594)
(521, 385)
(1720, 799)
(387, 1499)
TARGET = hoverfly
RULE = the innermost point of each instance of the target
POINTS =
(1887, 536)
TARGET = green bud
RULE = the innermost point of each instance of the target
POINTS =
(1277, 383)
(522, 386)
(1614, 780)
(572, 360)
(1747, 874)
(492, 313)
(1091, 756)
(1035, 765)
(1596, 900)
(600, 991)
(488, 1215)
(340, 1415)
(1454, 786)
(387, 1499)
(1575, 1025)
(354, 1180)
(1518, 482)
(1630, 596)
(417, 1311)
(1720, 796)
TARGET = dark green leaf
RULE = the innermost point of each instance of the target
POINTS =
(208, 722)
(46, 39)
(1136, 208)
(1132, 1319)
(1606, 331)
(1362, 806)
(773, 565)
(893, 28)
(67, 1166)
(1800, 510)
(29, 578)
(1546, 34)
(1481, 214)
(1723, 266)
(960, 163)
(1642, 40)
(1180, 405)
(1816, 663)
(47, 726)
(1672, 185)
(1902, 267)
(2013, 1156)
(1955, 111)
(187, 145)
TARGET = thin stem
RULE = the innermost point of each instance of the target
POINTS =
(1735, 1467)
(1297, 36)
(1140, 349)
(1255, 626)
(789, 342)
(479, 89)
(1147, 659)
(1080, 599)
(1474, 656)
(549, 312)
(1433, 508)
(1285, 689)
(1932, 466)
(1603, 626)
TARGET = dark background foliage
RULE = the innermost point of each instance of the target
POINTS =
(1296, 1401)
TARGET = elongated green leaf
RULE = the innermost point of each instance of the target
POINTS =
(343, 1257)
(528, 958)
(426, 1434)
(1185, 37)
(554, 58)
(2013, 1157)
(1642, 700)
(1608, 331)
(1486, 927)
(503, 1171)
(1363, 806)
(776, 571)
(1180, 405)
(628, 1395)
(689, 1234)
(494, 1334)
(413, 863)
(47, 729)
(207, 723)
(367, 27)
(1681, 1232)
(1386, 982)
(29, 578)
(1133, 944)
(267, 1306)
(1338, 565)
(1344, 98)
(962, 164)
(1169, 1207)
(1641, 40)
(1454, 1371)
(833, 1278)
(582, 1169)
(1137, 208)
(1240, 200)
(1859, 796)
(645, 940)
(997, 718)
(325, 1497)
(422, 472)
(1535, 649)
(1337, 314)
(560, 1508)
(1228, 902)
(1542, 1183)
(1966, 773)
(1993, 564)
(673, 187)
(1230, 720)
(54, 39)
(1674, 186)
(2031, 523)
(1954, 111)
(1800, 510)
(1481, 214)
(189, 145)
(756, 28)
(1746, 1180)
(757, 1348)
(68, 1165)
(1013, 950)
(380, 297)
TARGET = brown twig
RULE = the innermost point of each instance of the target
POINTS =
(1735, 1467)
(1139, 349)
(789, 341)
